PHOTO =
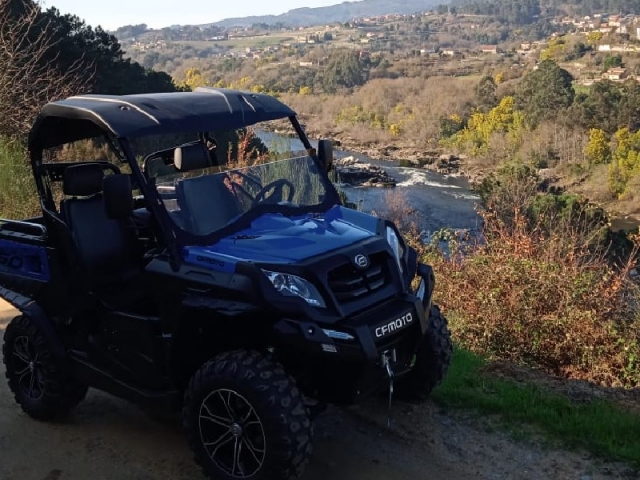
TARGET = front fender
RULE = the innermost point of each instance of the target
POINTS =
(34, 311)
(427, 285)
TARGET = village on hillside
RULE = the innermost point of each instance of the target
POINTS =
(446, 44)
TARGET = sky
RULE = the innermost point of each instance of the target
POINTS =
(111, 14)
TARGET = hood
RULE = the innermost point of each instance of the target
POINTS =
(275, 238)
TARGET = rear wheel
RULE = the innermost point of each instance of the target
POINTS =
(432, 360)
(245, 418)
(41, 382)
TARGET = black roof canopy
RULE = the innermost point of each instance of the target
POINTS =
(205, 109)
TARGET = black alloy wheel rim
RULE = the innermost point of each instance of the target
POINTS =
(25, 367)
(232, 433)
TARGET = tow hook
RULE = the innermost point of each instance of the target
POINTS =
(387, 357)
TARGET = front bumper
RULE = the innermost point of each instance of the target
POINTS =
(344, 360)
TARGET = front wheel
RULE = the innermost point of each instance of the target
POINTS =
(432, 359)
(245, 418)
(42, 383)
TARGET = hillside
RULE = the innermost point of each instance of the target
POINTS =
(336, 13)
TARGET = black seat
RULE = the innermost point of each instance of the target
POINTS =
(107, 248)
(206, 203)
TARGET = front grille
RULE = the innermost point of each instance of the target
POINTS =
(349, 283)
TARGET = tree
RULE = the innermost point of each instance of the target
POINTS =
(193, 79)
(612, 61)
(113, 73)
(626, 160)
(543, 93)
(594, 37)
(344, 69)
(600, 108)
(150, 59)
(629, 106)
(29, 76)
(486, 93)
(475, 137)
(597, 150)
(45, 55)
(130, 31)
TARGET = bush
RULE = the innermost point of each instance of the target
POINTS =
(539, 294)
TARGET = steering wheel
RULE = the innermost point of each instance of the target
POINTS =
(278, 189)
(238, 187)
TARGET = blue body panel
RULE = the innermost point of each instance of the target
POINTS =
(274, 238)
(24, 260)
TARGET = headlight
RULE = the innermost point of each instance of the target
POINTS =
(396, 247)
(293, 286)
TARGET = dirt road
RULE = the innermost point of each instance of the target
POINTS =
(107, 438)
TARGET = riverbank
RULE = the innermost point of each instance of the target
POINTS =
(625, 215)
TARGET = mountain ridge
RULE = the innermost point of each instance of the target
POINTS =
(342, 12)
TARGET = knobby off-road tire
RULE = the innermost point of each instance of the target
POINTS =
(432, 361)
(244, 417)
(41, 382)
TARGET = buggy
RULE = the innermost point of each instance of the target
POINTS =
(180, 271)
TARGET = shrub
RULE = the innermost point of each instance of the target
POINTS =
(538, 293)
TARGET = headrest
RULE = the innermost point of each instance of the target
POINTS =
(82, 180)
(155, 167)
(191, 157)
(117, 195)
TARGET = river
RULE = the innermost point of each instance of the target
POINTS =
(439, 201)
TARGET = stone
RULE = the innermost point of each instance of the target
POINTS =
(352, 171)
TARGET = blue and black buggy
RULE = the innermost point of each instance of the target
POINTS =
(194, 267)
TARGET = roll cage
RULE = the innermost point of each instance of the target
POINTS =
(119, 119)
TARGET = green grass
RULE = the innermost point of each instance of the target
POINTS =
(581, 88)
(18, 197)
(598, 426)
(253, 42)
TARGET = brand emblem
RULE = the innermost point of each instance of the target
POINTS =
(361, 261)
(397, 324)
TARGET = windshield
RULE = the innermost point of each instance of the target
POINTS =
(202, 201)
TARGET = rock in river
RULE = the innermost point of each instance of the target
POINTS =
(356, 173)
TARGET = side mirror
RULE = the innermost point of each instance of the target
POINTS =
(118, 197)
(325, 153)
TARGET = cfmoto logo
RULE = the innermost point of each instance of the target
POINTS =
(361, 261)
(397, 324)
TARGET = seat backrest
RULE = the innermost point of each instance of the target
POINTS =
(107, 248)
(206, 203)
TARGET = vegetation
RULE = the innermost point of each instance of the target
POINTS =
(601, 427)
(518, 13)
(27, 74)
(521, 12)
(545, 288)
(545, 93)
(17, 188)
(47, 55)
